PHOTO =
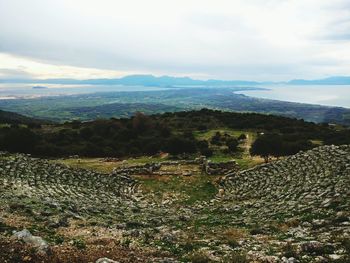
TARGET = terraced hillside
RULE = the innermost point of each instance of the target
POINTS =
(295, 209)
(39, 181)
(316, 181)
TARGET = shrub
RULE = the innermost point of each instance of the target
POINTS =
(232, 144)
(236, 257)
(289, 251)
(242, 137)
(79, 243)
(199, 257)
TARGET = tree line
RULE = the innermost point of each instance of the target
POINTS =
(169, 132)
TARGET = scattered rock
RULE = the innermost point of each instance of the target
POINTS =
(37, 242)
(106, 260)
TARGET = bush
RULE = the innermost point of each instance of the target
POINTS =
(232, 144)
(236, 257)
(79, 243)
(199, 257)
(256, 231)
(242, 137)
(178, 145)
(216, 139)
(289, 251)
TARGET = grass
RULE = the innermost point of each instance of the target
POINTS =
(97, 164)
(246, 163)
(190, 189)
(243, 158)
(206, 135)
(145, 159)
(216, 158)
(89, 163)
(187, 189)
(317, 142)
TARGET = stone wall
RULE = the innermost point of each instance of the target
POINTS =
(146, 169)
(208, 167)
(220, 168)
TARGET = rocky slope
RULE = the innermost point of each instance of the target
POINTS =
(32, 178)
(292, 210)
(316, 181)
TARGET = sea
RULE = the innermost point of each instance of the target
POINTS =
(329, 95)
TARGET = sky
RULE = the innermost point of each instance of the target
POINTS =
(204, 39)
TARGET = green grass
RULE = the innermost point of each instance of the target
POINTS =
(242, 157)
(88, 163)
(188, 189)
(216, 158)
(317, 142)
(192, 188)
(97, 164)
(144, 159)
(246, 163)
(206, 135)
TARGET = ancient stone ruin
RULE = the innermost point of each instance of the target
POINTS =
(155, 168)
(308, 182)
(21, 175)
(220, 168)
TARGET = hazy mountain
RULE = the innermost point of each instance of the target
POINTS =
(327, 81)
(169, 81)
(136, 80)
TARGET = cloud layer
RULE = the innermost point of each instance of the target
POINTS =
(228, 39)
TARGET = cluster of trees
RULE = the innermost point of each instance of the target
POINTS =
(267, 145)
(169, 132)
(288, 127)
(140, 135)
(229, 141)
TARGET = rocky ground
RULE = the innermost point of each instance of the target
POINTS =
(291, 210)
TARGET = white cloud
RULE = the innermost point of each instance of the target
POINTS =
(231, 39)
(18, 67)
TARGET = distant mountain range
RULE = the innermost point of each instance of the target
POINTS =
(168, 81)
(326, 81)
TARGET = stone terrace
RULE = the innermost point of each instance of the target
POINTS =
(23, 176)
(316, 181)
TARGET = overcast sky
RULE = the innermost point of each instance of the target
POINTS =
(223, 39)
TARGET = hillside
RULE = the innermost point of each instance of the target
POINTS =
(7, 117)
(175, 187)
(175, 133)
(309, 184)
(292, 210)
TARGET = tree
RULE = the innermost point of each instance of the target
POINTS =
(141, 122)
(86, 133)
(19, 140)
(232, 144)
(267, 145)
(204, 149)
(178, 145)
(216, 139)
(242, 137)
